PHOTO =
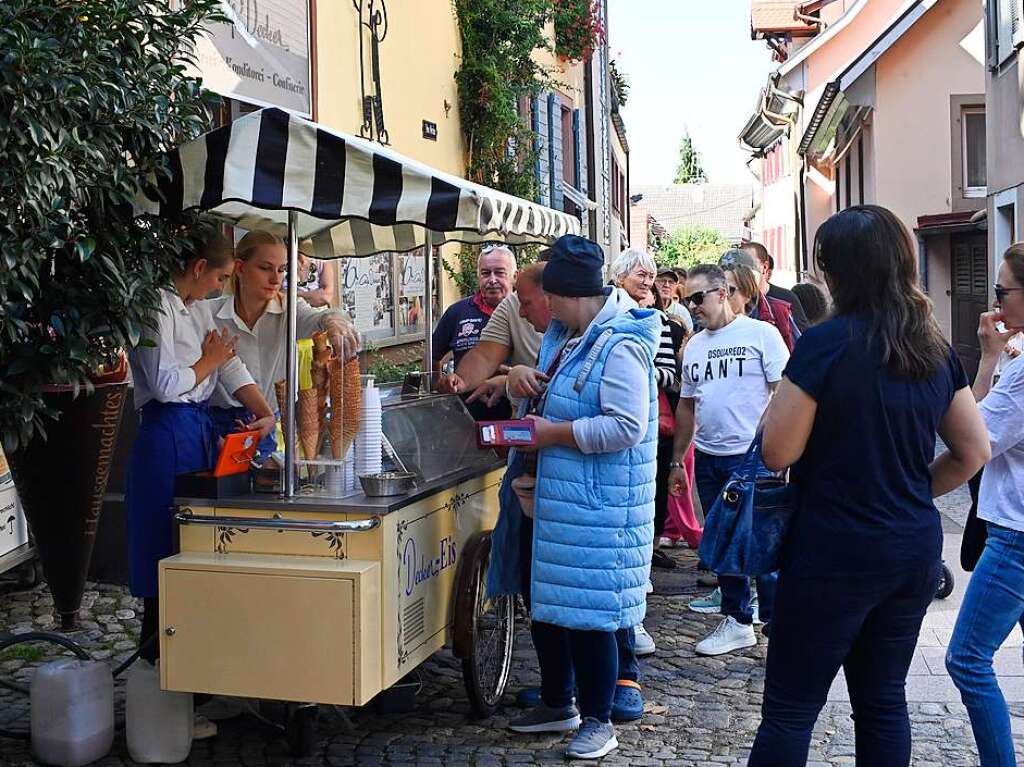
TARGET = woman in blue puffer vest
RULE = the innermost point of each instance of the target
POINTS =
(594, 510)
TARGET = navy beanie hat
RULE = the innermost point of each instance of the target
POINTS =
(574, 268)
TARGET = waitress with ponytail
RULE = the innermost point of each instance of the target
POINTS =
(175, 370)
(254, 311)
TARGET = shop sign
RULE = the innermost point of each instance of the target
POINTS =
(261, 56)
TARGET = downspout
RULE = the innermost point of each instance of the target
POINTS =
(804, 260)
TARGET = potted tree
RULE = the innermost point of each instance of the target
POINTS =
(92, 95)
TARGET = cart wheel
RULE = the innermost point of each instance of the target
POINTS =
(946, 583)
(301, 730)
(489, 627)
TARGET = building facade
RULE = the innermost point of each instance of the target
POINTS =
(385, 71)
(881, 102)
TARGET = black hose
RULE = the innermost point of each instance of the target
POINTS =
(10, 640)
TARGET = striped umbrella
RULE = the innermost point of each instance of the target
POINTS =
(351, 197)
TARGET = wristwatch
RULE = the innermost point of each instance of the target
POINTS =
(675, 465)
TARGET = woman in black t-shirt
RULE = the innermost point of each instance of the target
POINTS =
(856, 416)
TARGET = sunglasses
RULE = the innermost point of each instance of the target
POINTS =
(1001, 292)
(696, 299)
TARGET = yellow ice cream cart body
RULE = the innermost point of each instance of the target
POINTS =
(318, 599)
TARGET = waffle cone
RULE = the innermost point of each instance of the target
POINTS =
(346, 400)
(308, 423)
(281, 392)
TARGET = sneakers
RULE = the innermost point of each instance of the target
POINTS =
(755, 609)
(728, 636)
(546, 719)
(203, 728)
(650, 587)
(662, 560)
(710, 604)
(643, 643)
(594, 740)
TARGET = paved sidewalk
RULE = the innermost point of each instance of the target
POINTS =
(700, 711)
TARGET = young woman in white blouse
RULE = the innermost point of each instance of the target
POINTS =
(254, 311)
(175, 370)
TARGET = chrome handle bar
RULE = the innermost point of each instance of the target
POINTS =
(278, 523)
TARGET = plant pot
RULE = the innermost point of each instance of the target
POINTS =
(61, 481)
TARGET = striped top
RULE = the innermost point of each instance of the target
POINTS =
(666, 367)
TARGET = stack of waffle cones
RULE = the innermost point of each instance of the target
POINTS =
(336, 381)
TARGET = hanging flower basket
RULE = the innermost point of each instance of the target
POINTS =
(579, 28)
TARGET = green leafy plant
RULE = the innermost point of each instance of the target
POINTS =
(92, 94)
(391, 369)
(619, 82)
(691, 245)
(496, 72)
(579, 29)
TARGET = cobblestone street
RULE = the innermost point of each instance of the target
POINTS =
(700, 711)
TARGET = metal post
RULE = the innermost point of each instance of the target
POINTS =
(428, 307)
(292, 360)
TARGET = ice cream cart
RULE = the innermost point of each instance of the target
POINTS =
(316, 599)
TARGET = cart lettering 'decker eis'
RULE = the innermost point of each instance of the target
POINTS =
(332, 600)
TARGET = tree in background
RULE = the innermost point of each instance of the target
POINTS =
(689, 170)
(691, 245)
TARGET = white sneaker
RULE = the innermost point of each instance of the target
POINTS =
(755, 608)
(643, 643)
(650, 586)
(203, 728)
(665, 543)
(728, 636)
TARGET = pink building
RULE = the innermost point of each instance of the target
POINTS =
(883, 102)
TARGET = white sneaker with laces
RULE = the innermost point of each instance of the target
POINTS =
(728, 636)
(643, 643)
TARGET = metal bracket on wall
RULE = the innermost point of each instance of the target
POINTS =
(373, 15)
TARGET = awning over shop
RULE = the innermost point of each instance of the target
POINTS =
(351, 197)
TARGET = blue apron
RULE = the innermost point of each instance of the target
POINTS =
(224, 419)
(173, 438)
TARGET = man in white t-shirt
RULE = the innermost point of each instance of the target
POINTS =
(730, 370)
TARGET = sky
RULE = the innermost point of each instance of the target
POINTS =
(691, 66)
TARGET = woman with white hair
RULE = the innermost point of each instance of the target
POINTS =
(634, 271)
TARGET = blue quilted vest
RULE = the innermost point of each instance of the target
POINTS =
(594, 514)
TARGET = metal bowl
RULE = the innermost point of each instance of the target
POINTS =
(387, 483)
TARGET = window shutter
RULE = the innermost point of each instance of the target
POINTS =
(1017, 23)
(555, 173)
(540, 129)
(577, 148)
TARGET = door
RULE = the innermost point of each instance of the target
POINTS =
(969, 296)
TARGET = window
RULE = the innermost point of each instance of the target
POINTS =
(1006, 29)
(972, 137)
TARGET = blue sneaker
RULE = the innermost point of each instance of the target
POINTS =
(628, 702)
(710, 604)
(594, 740)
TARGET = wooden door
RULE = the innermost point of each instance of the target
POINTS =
(969, 296)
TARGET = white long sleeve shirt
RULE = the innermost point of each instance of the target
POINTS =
(162, 363)
(263, 347)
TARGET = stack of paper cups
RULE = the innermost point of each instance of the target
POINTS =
(351, 482)
(368, 441)
(334, 481)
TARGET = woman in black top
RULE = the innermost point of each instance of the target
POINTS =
(856, 416)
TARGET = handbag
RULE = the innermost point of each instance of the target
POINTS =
(746, 525)
(666, 416)
(975, 530)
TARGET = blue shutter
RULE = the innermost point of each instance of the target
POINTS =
(577, 148)
(555, 150)
(543, 153)
(535, 127)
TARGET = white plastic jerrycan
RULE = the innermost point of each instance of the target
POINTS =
(158, 724)
(72, 720)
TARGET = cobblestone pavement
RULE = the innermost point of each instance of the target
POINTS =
(700, 711)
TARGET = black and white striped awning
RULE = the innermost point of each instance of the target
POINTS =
(353, 198)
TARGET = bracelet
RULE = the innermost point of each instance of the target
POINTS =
(675, 465)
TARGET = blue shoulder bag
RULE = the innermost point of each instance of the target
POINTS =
(745, 528)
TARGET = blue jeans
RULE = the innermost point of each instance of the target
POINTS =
(992, 606)
(869, 627)
(625, 639)
(588, 659)
(711, 472)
